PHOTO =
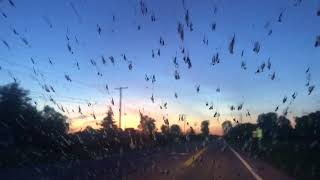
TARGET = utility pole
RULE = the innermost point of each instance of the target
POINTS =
(182, 117)
(120, 103)
(184, 127)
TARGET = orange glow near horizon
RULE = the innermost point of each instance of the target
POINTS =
(131, 119)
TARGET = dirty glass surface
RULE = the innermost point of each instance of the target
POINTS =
(159, 89)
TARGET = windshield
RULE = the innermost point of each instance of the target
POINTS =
(167, 89)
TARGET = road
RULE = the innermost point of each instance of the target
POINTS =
(214, 160)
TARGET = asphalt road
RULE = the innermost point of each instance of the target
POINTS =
(214, 160)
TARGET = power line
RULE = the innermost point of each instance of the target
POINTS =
(50, 72)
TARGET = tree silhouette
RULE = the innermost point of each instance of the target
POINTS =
(284, 128)
(175, 130)
(308, 126)
(268, 123)
(226, 126)
(14, 104)
(205, 127)
(147, 124)
(90, 130)
(241, 133)
(191, 131)
(20, 121)
(54, 121)
(164, 129)
(108, 122)
(293, 149)
(26, 131)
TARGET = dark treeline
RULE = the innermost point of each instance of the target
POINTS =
(30, 137)
(293, 149)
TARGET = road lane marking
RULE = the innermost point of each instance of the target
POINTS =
(246, 165)
(194, 157)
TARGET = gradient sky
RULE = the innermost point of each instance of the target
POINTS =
(290, 48)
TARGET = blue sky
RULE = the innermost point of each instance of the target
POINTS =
(290, 49)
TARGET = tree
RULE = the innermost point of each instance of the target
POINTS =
(308, 126)
(205, 127)
(268, 123)
(54, 121)
(15, 105)
(90, 130)
(175, 130)
(284, 127)
(19, 119)
(25, 129)
(13, 95)
(241, 133)
(147, 124)
(226, 126)
(191, 131)
(164, 129)
(19, 116)
(108, 122)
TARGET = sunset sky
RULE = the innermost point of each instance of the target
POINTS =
(46, 24)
